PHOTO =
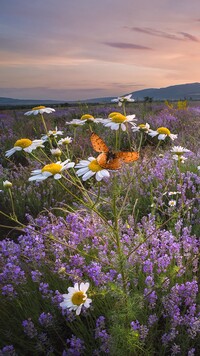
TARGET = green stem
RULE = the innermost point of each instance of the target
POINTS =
(37, 159)
(46, 131)
(117, 239)
(124, 108)
(44, 124)
(129, 139)
(12, 204)
(116, 139)
(141, 139)
(98, 195)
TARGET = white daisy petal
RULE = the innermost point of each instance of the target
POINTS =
(57, 176)
(81, 171)
(87, 303)
(78, 310)
(123, 127)
(84, 286)
(88, 175)
(161, 136)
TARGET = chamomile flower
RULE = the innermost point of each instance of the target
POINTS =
(56, 152)
(84, 118)
(76, 298)
(89, 168)
(76, 122)
(65, 141)
(179, 158)
(116, 120)
(52, 133)
(172, 203)
(7, 184)
(39, 110)
(52, 169)
(140, 127)
(173, 193)
(162, 133)
(24, 144)
(179, 150)
(123, 99)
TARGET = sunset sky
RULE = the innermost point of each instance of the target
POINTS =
(80, 49)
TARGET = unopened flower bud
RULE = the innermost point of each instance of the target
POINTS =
(7, 184)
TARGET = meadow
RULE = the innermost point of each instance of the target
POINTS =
(100, 227)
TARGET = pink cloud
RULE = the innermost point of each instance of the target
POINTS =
(123, 45)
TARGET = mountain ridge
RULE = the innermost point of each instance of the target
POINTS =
(190, 91)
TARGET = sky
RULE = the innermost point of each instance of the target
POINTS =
(81, 49)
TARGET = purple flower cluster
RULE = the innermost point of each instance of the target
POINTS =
(102, 336)
(29, 328)
(75, 347)
(8, 351)
(143, 330)
(181, 309)
(46, 319)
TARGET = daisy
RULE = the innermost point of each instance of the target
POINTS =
(56, 152)
(76, 298)
(76, 122)
(7, 184)
(116, 120)
(52, 169)
(179, 150)
(39, 110)
(172, 203)
(141, 127)
(24, 144)
(174, 193)
(65, 141)
(52, 133)
(179, 158)
(89, 168)
(84, 118)
(162, 133)
(122, 99)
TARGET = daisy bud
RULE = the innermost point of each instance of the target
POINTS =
(7, 184)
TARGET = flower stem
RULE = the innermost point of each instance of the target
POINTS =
(12, 204)
(117, 239)
(141, 138)
(46, 131)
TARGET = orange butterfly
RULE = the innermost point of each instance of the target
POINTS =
(108, 159)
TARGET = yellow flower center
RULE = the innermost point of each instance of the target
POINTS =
(142, 126)
(23, 143)
(94, 166)
(87, 117)
(118, 118)
(113, 114)
(52, 168)
(78, 298)
(39, 107)
(163, 130)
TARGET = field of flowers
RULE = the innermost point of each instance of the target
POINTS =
(100, 227)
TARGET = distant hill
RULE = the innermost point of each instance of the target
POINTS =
(174, 92)
(27, 102)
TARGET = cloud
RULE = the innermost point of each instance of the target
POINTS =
(158, 33)
(123, 45)
(189, 37)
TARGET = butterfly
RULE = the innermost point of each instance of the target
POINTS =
(108, 159)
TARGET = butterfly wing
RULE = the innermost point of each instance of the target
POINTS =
(127, 157)
(98, 144)
(113, 164)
